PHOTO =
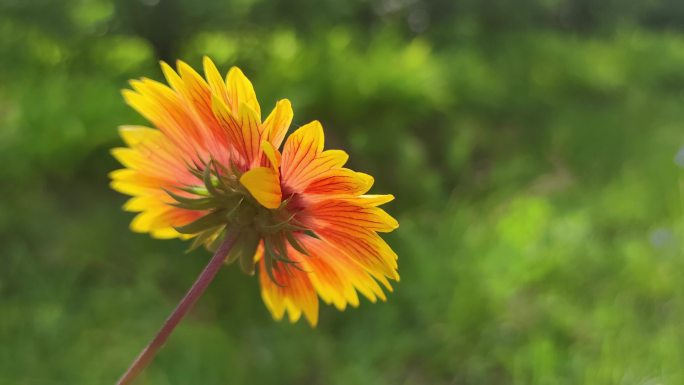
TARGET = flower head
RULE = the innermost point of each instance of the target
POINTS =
(211, 165)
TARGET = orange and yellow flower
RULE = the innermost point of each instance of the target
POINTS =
(211, 165)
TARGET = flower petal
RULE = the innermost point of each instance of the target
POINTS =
(340, 181)
(264, 185)
(304, 159)
(293, 293)
(372, 199)
(324, 271)
(240, 90)
(250, 123)
(277, 123)
(152, 154)
(196, 97)
(242, 130)
(177, 126)
(134, 135)
(366, 248)
(336, 276)
(342, 214)
(272, 155)
(214, 79)
(160, 221)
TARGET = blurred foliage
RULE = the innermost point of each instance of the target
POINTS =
(533, 146)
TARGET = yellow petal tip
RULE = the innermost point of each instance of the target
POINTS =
(264, 185)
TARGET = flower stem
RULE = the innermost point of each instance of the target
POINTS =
(185, 304)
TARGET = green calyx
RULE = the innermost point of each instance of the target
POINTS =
(229, 206)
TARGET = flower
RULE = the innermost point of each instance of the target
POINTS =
(212, 166)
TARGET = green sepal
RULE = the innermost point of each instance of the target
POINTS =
(197, 206)
(208, 221)
(196, 172)
(269, 259)
(281, 250)
(246, 246)
(283, 256)
(208, 182)
(295, 243)
(181, 199)
(310, 233)
(202, 238)
(247, 250)
(196, 190)
(200, 203)
(216, 243)
(233, 210)
(221, 181)
(235, 169)
(192, 204)
(279, 226)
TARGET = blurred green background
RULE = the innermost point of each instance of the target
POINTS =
(534, 148)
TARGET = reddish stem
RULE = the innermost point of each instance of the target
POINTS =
(185, 304)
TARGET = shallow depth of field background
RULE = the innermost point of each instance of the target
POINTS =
(533, 147)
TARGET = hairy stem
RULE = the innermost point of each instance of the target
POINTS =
(185, 304)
